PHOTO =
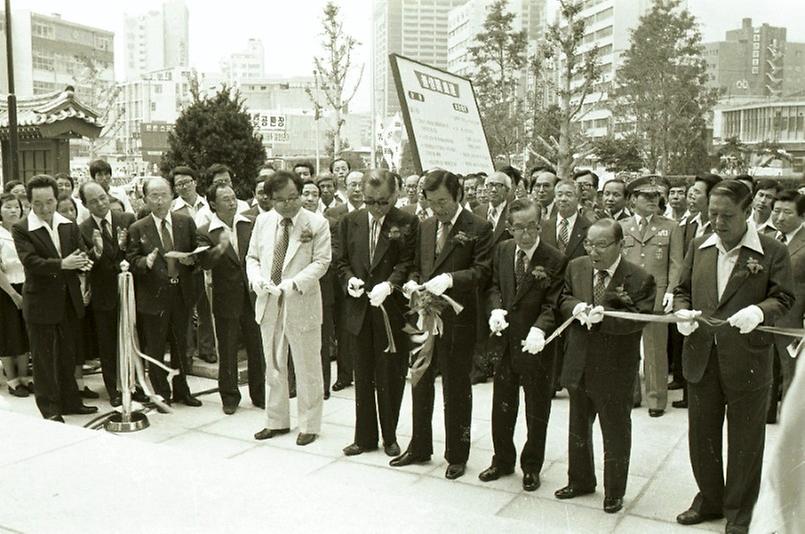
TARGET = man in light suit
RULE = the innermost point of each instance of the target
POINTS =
(744, 279)
(288, 254)
(654, 243)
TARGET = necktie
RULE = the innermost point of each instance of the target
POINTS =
(491, 214)
(280, 248)
(373, 239)
(599, 287)
(564, 235)
(106, 233)
(167, 244)
(441, 239)
(643, 226)
(519, 268)
(781, 237)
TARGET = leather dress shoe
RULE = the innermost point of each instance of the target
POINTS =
(305, 439)
(229, 409)
(116, 400)
(675, 385)
(494, 472)
(613, 504)
(326, 395)
(478, 379)
(268, 433)
(655, 413)
(455, 471)
(30, 387)
(355, 449)
(259, 404)
(292, 394)
(392, 449)
(407, 458)
(140, 396)
(189, 400)
(56, 418)
(680, 404)
(531, 481)
(81, 409)
(338, 386)
(19, 391)
(637, 405)
(732, 528)
(87, 393)
(693, 517)
(209, 358)
(569, 492)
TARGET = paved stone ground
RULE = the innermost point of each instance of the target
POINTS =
(198, 470)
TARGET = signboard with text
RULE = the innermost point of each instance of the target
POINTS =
(441, 117)
(267, 121)
(154, 140)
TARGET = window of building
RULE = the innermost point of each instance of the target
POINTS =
(43, 61)
(153, 106)
(43, 30)
(755, 70)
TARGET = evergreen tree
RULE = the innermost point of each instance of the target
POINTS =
(619, 154)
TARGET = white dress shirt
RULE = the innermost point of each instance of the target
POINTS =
(9, 261)
(728, 258)
(493, 215)
(609, 270)
(571, 222)
(158, 222)
(216, 223)
(35, 223)
(529, 253)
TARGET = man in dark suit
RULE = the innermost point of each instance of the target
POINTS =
(228, 234)
(453, 256)
(165, 287)
(544, 181)
(744, 278)
(51, 252)
(420, 208)
(601, 360)
(527, 277)
(105, 233)
(788, 216)
(375, 255)
(614, 196)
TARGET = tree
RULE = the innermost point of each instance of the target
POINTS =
(99, 95)
(578, 72)
(331, 71)
(216, 129)
(661, 89)
(732, 156)
(499, 59)
(619, 154)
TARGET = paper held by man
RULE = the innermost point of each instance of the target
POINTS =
(175, 254)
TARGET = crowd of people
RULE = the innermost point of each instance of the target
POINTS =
(315, 269)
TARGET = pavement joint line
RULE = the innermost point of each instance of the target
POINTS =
(43, 453)
(10, 530)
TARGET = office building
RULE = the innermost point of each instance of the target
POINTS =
(157, 40)
(245, 65)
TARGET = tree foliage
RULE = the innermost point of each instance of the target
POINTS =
(216, 129)
(619, 154)
(331, 71)
(661, 89)
(499, 59)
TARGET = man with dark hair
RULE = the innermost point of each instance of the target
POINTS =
(165, 288)
(420, 208)
(305, 170)
(100, 171)
(527, 277)
(471, 191)
(51, 252)
(262, 202)
(615, 200)
(601, 359)
(340, 169)
(327, 189)
(747, 180)
(543, 191)
(765, 191)
(728, 367)
(788, 215)
(289, 252)
(453, 256)
(66, 188)
(354, 184)
(228, 234)
(375, 254)
(187, 202)
(105, 235)
(218, 173)
(677, 203)
(587, 183)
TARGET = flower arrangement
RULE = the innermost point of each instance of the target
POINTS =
(753, 266)
(397, 233)
(306, 236)
(618, 298)
(541, 276)
(463, 238)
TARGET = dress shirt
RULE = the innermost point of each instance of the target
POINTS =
(193, 209)
(790, 235)
(571, 222)
(497, 211)
(9, 261)
(374, 237)
(728, 258)
(158, 222)
(216, 223)
(609, 270)
(529, 253)
(35, 223)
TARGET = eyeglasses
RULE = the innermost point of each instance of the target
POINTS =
(183, 183)
(379, 203)
(285, 201)
(531, 228)
(496, 185)
(589, 245)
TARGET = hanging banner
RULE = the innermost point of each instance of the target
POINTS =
(441, 117)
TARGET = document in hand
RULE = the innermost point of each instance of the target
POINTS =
(181, 255)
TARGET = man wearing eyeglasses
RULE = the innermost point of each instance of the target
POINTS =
(527, 277)
(655, 243)
(374, 256)
(601, 359)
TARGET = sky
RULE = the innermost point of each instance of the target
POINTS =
(290, 29)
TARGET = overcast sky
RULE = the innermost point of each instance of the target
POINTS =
(290, 29)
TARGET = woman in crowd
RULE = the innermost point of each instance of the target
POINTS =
(13, 338)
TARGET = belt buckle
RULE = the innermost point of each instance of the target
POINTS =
(173, 281)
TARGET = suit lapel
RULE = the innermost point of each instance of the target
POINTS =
(528, 279)
(651, 230)
(382, 239)
(230, 250)
(633, 229)
(451, 242)
(576, 235)
(550, 232)
(501, 224)
(797, 242)
(43, 236)
(361, 227)
(584, 281)
(737, 276)
(428, 244)
(151, 228)
(243, 230)
(619, 277)
(293, 238)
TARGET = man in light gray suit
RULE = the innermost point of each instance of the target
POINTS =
(288, 253)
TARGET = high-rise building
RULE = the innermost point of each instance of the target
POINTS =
(756, 61)
(413, 28)
(246, 65)
(157, 40)
(51, 53)
(466, 21)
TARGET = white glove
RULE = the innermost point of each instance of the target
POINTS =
(408, 288)
(688, 327)
(668, 302)
(286, 286)
(580, 312)
(260, 287)
(439, 284)
(355, 287)
(271, 289)
(497, 321)
(379, 293)
(534, 341)
(596, 315)
(747, 319)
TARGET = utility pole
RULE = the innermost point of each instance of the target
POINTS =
(13, 163)
(317, 116)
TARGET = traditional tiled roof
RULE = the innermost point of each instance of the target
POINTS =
(46, 109)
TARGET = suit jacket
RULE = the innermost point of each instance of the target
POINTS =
(467, 256)
(392, 262)
(500, 233)
(152, 285)
(306, 260)
(795, 316)
(337, 212)
(744, 360)
(105, 269)
(230, 285)
(531, 303)
(47, 286)
(612, 347)
(659, 252)
(575, 243)
(689, 228)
